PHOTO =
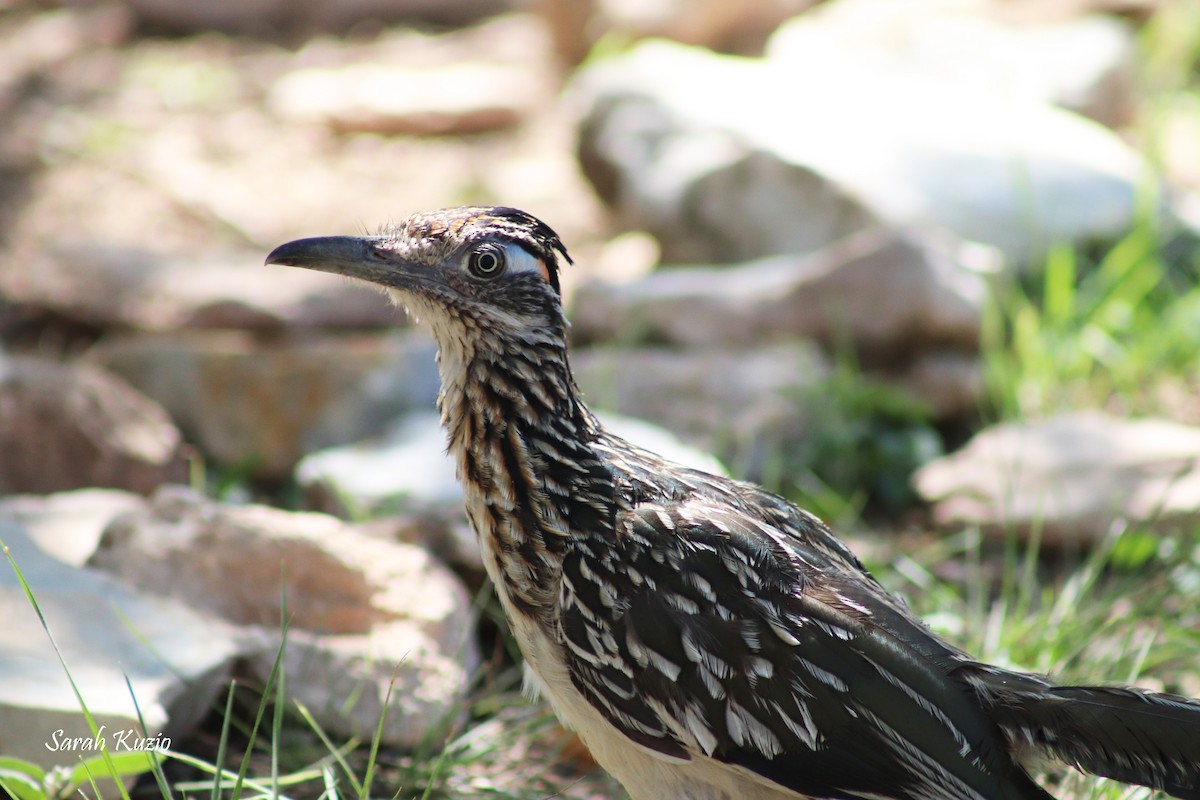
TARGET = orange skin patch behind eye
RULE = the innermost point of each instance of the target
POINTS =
(544, 270)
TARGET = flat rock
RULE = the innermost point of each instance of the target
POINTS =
(409, 469)
(264, 17)
(68, 525)
(706, 191)
(1073, 477)
(407, 466)
(886, 292)
(740, 404)
(176, 661)
(455, 99)
(698, 150)
(262, 404)
(1081, 63)
(717, 24)
(69, 426)
(141, 290)
(363, 612)
(719, 400)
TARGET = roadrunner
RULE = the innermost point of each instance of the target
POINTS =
(708, 640)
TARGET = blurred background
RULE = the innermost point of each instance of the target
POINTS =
(927, 267)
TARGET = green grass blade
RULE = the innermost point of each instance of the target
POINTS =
(330, 783)
(20, 785)
(1059, 285)
(125, 765)
(223, 742)
(87, 714)
(377, 739)
(280, 686)
(273, 681)
(22, 767)
(157, 757)
(240, 779)
(91, 780)
(335, 752)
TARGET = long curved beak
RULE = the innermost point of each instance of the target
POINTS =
(353, 256)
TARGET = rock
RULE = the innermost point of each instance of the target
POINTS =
(130, 288)
(1084, 64)
(885, 292)
(262, 405)
(443, 531)
(198, 169)
(409, 469)
(742, 404)
(264, 17)
(73, 426)
(706, 192)
(174, 660)
(698, 150)
(742, 28)
(406, 467)
(1072, 477)
(67, 525)
(1059, 10)
(724, 401)
(362, 612)
(370, 98)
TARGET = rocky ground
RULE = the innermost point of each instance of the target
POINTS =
(194, 446)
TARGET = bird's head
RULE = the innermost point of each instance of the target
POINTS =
(464, 271)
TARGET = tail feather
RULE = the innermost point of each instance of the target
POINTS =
(1128, 735)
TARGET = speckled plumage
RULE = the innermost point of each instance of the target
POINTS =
(707, 639)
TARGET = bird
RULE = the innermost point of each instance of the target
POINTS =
(706, 638)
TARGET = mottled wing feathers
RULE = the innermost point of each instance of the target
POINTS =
(699, 629)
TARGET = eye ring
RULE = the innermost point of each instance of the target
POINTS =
(487, 262)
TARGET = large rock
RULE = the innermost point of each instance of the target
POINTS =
(365, 616)
(458, 99)
(1071, 477)
(887, 293)
(1081, 63)
(262, 404)
(269, 16)
(706, 191)
(72, 426)
(115, 640)
(726, 159)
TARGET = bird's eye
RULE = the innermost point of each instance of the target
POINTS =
(487, 262)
